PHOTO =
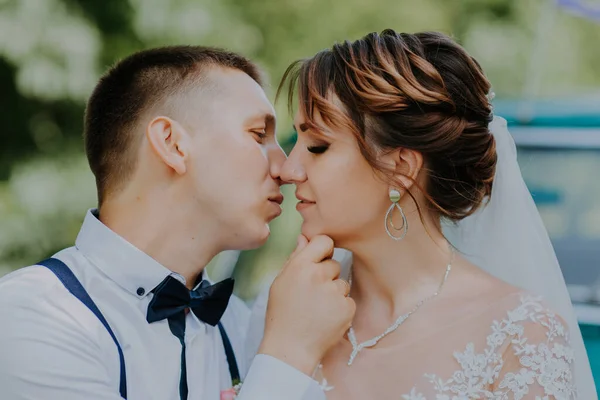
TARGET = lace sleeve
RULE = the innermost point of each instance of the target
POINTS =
(538, 361)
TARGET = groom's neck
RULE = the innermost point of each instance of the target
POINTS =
(173, 239)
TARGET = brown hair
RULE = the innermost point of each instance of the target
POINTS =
(416, 91)
(133, 86)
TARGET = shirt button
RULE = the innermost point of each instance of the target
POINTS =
(141, 291)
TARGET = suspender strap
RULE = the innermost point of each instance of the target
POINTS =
(233, 367)
(70, 281)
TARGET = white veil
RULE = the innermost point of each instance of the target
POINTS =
(508, 239)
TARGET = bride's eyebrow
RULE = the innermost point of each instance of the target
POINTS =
(303, 127)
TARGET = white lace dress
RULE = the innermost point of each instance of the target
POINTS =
(515, 348)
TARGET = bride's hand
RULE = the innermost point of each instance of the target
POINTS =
(308, 309)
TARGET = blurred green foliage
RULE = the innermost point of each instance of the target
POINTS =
(52, 52)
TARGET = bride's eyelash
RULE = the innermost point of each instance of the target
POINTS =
(318, 149)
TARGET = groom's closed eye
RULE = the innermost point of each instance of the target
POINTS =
(260, 134)
(261, 126)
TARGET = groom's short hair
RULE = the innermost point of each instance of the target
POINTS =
(131, 87)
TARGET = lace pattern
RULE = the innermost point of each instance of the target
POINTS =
(537, 363)
(526, 356)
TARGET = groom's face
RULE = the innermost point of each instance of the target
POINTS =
(235, 159)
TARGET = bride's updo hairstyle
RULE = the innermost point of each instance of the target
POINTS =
(414, 91)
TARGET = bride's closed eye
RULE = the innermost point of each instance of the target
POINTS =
(318, 149)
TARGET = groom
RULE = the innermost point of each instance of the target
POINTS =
(182, 143)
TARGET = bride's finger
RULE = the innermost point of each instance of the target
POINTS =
(300, 245)
(342, 286)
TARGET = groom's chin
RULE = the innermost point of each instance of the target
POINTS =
(255, 239)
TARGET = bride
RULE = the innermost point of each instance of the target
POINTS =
(459, 294)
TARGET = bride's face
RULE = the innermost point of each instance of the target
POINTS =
(339, 194)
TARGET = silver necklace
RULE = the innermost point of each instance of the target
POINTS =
(357, 347)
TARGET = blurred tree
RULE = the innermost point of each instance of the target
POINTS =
(52, 52)
(46, 123)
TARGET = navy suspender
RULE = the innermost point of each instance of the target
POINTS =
(233, 368)
(70, 281)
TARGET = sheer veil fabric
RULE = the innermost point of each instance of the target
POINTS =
(508, 239)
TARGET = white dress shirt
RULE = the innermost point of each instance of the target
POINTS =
(53, 347)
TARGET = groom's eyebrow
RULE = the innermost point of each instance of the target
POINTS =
(269, 119)
(270, 122)
(265, 117)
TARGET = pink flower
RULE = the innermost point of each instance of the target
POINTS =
(228, 394)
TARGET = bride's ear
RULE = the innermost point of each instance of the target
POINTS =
(406, 164)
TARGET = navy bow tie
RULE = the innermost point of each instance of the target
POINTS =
(207, 302)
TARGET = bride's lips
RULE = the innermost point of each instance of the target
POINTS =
(303, 203)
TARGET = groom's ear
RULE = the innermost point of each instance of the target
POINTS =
(169, 141)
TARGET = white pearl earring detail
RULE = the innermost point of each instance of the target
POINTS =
(395, 198)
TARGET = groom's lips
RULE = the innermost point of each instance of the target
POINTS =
(276, 201)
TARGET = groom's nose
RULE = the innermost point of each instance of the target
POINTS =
(277, 158)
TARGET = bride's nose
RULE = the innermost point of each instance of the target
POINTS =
(292, 170)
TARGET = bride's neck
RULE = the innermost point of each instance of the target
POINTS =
(392, 275)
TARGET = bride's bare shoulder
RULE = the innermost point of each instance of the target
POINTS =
(478, 294)
(472, 281)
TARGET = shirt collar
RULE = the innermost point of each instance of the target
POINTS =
(122, 262)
